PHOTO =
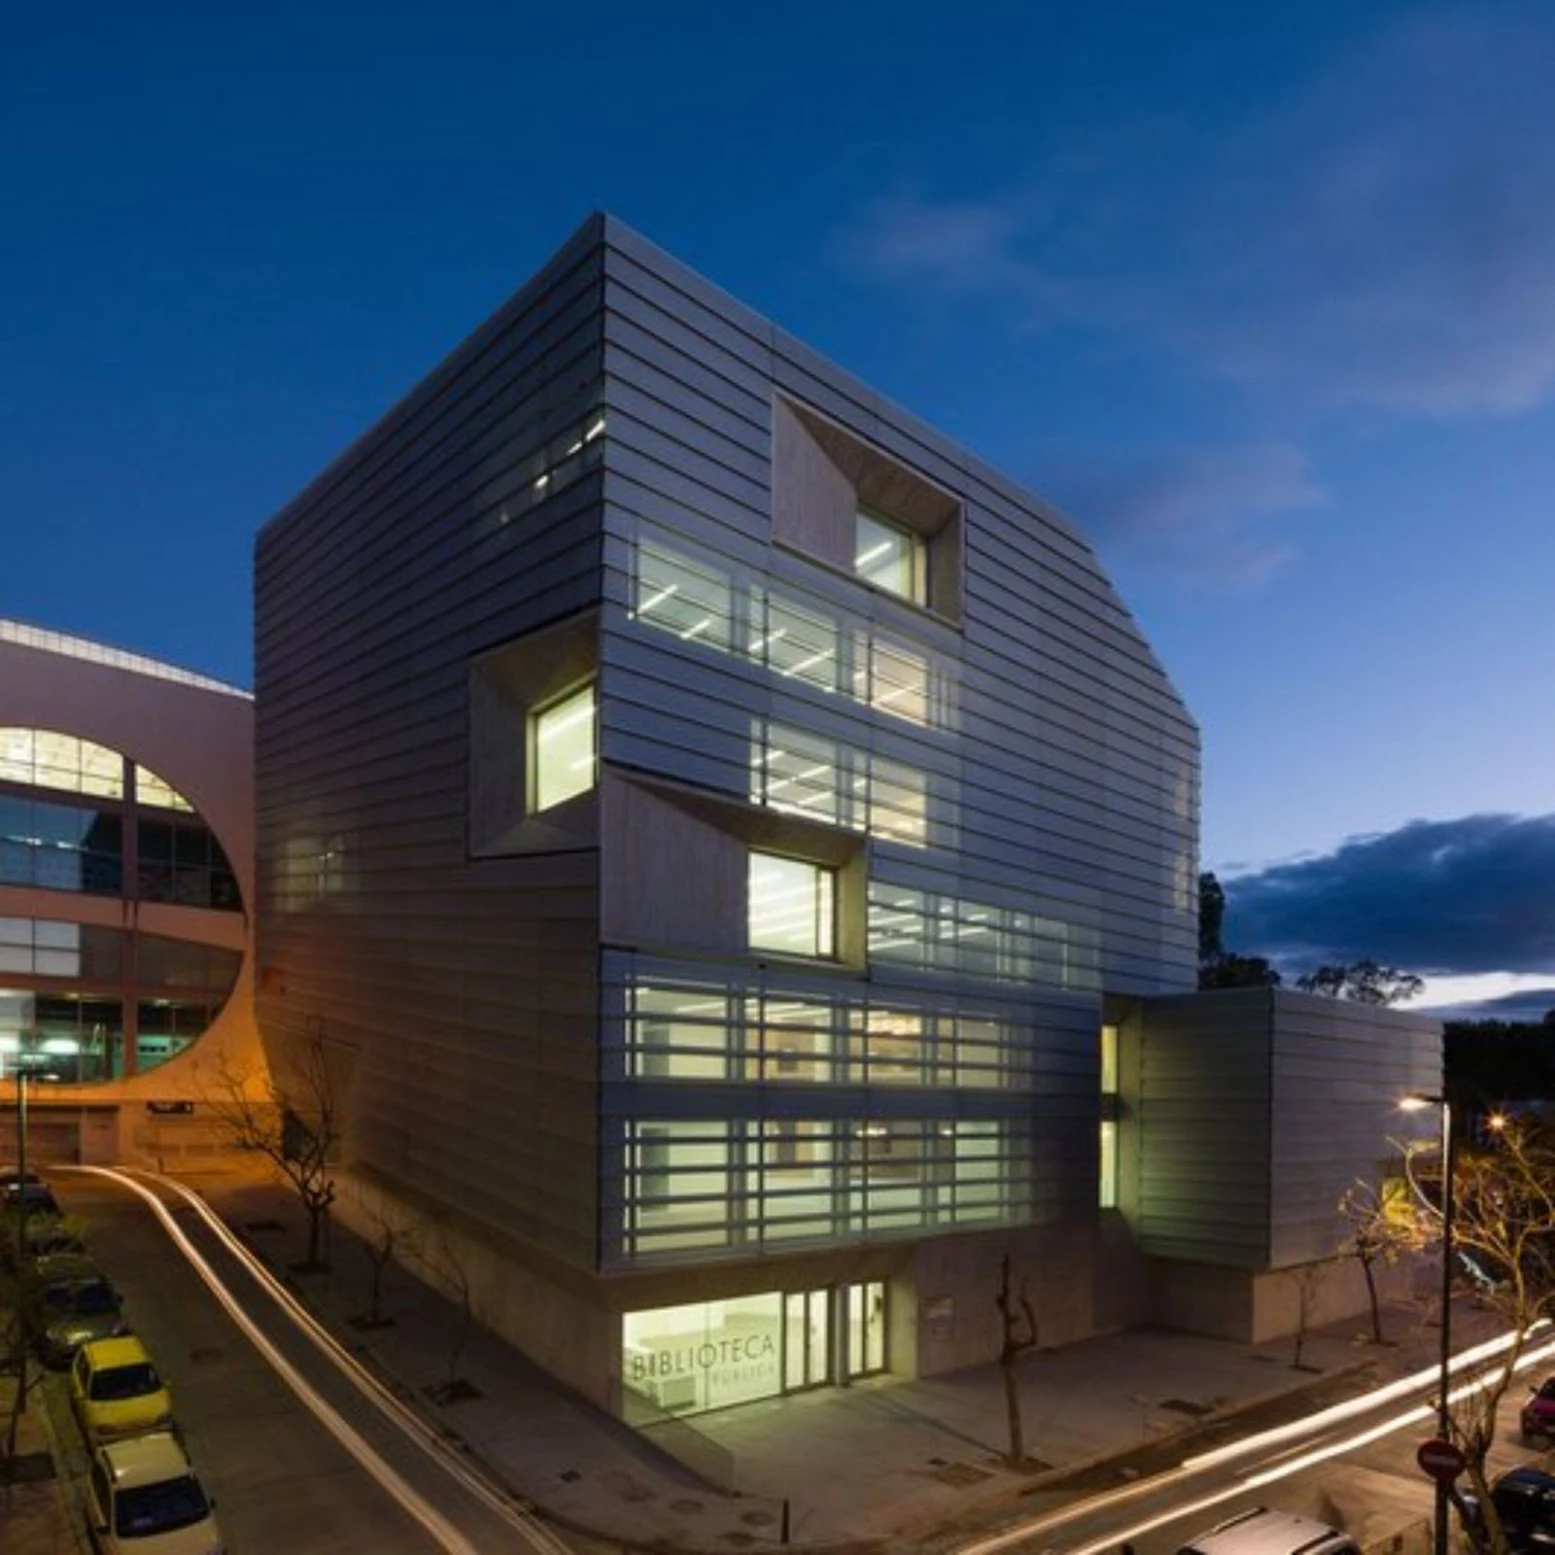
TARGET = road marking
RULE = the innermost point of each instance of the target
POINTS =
(448, 1536)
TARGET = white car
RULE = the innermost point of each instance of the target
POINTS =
(142, 1498)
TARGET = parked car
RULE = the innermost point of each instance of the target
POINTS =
(1265, 1532)
(45, 1232)
(37, 1196)
(11, 1176)
(143, 1498)
(115, 1390)
(1525, 1505)
(1538, 1417)
(77, 1305)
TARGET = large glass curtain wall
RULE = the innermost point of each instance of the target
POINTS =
(71, 1023)
(76, 816)
(696, 1031)
(799, 639)
(756, 1185)
(88, 1002)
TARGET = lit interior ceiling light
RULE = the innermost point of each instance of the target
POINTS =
(594, 430)
(659, 598)
(864, 558)
(698, 629)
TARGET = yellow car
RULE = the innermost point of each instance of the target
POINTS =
(115, 1390)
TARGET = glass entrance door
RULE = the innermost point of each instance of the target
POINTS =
(806, 1339)
(865, 1320)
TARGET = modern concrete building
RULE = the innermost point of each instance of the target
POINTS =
(728, 836)
(126, 858)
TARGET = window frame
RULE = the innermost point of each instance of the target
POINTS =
(917, 552)
(826, 904)
(537, 803)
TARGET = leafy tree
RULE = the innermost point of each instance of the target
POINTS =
(1363, 982)
(1494, 1061)
(1382, 1229)
(1219, 967)
(1234, 971)
(1504, 1207)
(1212, 918)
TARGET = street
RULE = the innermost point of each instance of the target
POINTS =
(310, 1464)
(1352, 1466)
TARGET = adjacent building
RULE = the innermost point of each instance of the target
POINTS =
(730, 841)
(126, 858)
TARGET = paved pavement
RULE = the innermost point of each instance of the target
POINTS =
(35, 1515)
(877, 1464)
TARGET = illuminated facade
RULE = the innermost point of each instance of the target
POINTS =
(125, 848)
(713, 815)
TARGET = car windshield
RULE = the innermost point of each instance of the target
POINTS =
(82, 1296)
(118, 1382)
(175, 1503)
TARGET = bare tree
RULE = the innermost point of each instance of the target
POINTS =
(1020, 1334)
(1382, 1228)
(1504, 1204)
(291, 1116)
(1308, 1280)
(391, 1238)
(449, 1269)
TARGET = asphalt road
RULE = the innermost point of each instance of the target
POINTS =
(282, 1478)
(1358, 1473)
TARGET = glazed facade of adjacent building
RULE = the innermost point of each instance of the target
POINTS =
(126, 853)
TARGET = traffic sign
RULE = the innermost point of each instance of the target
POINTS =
(1441, 1460)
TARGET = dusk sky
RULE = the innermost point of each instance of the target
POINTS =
(1263, 296)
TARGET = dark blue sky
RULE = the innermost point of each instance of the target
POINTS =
(1264, 295)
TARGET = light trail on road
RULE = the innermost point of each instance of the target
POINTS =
(1257, 1476)
(424, 1436)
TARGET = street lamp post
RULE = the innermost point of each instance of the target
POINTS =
(1444, 1354)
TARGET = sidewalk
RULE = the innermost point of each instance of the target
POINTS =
(34, 1512)
(870, 1465)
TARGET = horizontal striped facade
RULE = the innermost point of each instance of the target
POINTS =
(1029, 777)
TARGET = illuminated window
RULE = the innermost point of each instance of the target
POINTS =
(893, 679)
(792, 906)
(565, 749)
(692, 602)
(1107, 1195)
(890, 557)
(1107, 1181)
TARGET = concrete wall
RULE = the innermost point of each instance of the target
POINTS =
(956, 1280)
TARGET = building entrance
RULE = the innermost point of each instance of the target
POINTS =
(709, 1354)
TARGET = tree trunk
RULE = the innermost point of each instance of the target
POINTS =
(316, 1214)
(1012, 1410)
(1371, 1294)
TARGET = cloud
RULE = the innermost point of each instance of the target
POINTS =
(1201, 515)
(1438, 898)
(1385, 239)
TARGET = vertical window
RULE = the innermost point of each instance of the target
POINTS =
(565, 753)
(1107, 1181)
(890, 557)
(791, 906)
